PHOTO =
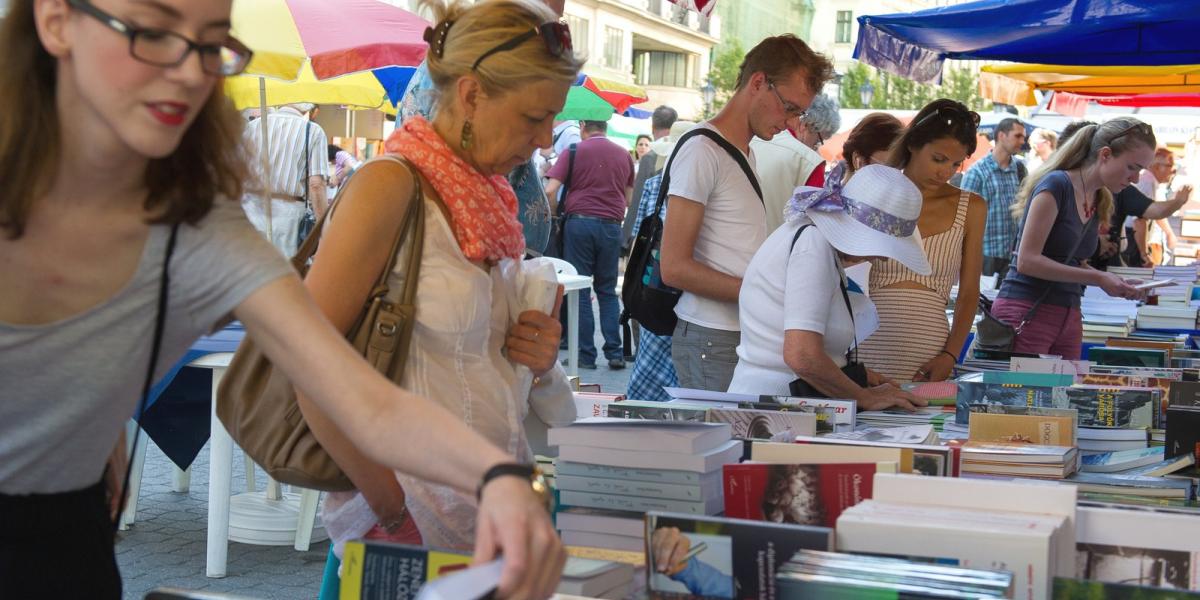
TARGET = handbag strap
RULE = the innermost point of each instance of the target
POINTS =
(845, 292)
(733, 152)
(160, 321)
(1046, 292)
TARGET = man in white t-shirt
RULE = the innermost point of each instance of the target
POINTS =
(1153, 181)
(715, 219)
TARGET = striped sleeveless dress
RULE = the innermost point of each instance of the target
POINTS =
(913, 327)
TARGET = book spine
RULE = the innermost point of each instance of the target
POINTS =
(665, 491)
(628, 474)
(630, 503)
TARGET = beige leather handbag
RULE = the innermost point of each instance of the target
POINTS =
(257, 403)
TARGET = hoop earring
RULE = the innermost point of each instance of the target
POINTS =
(468, 136)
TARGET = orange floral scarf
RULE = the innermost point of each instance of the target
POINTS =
(483, 209)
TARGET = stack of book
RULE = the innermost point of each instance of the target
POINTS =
(815, 574)
(591, 578)
(1151, 546)
(1105, 316)
(1021, 442)
(601, 528)
(594, 404)
(1133, 485)
(934, 416)
(1026, 528)
(1180, 291)
(1166, 316)
(674, 410)
(643, 465)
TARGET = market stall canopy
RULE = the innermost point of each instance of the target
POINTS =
(1014, 84)
(359, 90)
(1066, 32)
(595, 99)
(336, 37)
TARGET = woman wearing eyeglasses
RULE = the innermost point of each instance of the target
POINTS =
(501, 71)
(122, 227)
(1062, 204)
(914, 341)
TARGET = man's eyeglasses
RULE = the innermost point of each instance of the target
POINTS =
(950, 114)
(555, 34)
(169, 49)
(791, 110)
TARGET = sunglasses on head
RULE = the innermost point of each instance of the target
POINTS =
(1140, 127)
(555, 34)
(950, 114)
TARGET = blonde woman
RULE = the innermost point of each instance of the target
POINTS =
(501, 70)
(1061, 205)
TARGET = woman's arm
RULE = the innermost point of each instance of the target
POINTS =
(941, 366)
(804, 354)
(1030, 260)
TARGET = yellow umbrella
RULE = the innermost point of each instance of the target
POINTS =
(1014, 83)
(360, 90)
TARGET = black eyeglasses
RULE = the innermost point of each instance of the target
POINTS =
(555, 34)
(950, 114)
(791, 110)
(169, 49)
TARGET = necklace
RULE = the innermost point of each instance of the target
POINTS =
(1089, 208)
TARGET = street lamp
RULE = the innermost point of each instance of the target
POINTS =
(866, 93)
(709, 94)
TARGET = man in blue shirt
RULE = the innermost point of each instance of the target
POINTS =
(997, 178)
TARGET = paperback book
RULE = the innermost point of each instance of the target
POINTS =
(375, 570)
(829, 575)
(799, 494)
(728, 558)
(773, 425)
(666, 411)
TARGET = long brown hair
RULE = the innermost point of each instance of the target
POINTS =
(1083, 148)
(181, 187)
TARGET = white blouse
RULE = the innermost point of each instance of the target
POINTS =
(455, 359)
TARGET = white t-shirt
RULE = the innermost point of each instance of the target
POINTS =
(733, 228)
(807, 297)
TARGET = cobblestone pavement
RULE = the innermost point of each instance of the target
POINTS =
(166, 546)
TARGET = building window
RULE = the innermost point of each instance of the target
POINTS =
(655, 7)
(579, 32)
(844, 20)
(661, 68)
(614, 47)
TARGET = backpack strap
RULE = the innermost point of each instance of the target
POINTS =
(720, 141)
(566, 186)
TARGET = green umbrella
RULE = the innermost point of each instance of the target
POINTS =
(584, 104)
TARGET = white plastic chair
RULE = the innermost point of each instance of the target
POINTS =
(561, 266)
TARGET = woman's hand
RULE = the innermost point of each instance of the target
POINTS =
(514, 522)
(875, 378)
(1118, 288)
(937, 368)
(533, 341)
(888, 395)
(670, 547)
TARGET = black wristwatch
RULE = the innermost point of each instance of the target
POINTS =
(529, 473)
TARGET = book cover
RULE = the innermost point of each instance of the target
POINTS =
(683, 437)
(1109, 462)
(1183, 432)
(727, 558)
(799, 494)
(711, 460)
(1119, 483)
(1011, 394)
(773, 425)
(1128, 357)
(1041, 430)
(1017, 453)
(1172, 374)
(666, 411)
(597, 520)
(844, 411)
(1037, 379)
(1112, 407)
(1185, 393)
(1080, 589)
(936, 393)
(376, 570)
(1145, 546)
(833, 453)
(929, 459)
(1122, 381)
(608, 541)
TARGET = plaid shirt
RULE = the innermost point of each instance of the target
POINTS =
(652, 369)
(998, 187)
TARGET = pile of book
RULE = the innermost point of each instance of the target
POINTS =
(1179, 293)
(1020, 441)
(778, 418)
(1167, 316)
(634, 466)
(1105, 316)
(591, 578)
(816, 574)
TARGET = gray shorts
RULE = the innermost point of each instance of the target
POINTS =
(704, 358)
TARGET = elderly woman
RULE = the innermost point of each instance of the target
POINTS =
(914, 341)
(798, 325)
(136, 144)
(818, 124)
(501, 70)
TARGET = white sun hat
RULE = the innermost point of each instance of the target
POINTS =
(873, 214)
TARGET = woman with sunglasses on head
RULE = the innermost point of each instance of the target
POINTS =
(914, 342)
(501, 70)
(1062, 204)
(123, 239)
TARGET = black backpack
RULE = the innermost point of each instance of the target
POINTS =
(646, 298)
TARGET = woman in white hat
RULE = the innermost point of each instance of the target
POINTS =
(799, 327)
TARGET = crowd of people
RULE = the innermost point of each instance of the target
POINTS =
(135, 223)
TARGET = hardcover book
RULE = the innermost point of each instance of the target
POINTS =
(1183, 432)
(727, 558)
(1042, 430)
(799, 494)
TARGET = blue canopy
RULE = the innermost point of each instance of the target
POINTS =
(1060, 32)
